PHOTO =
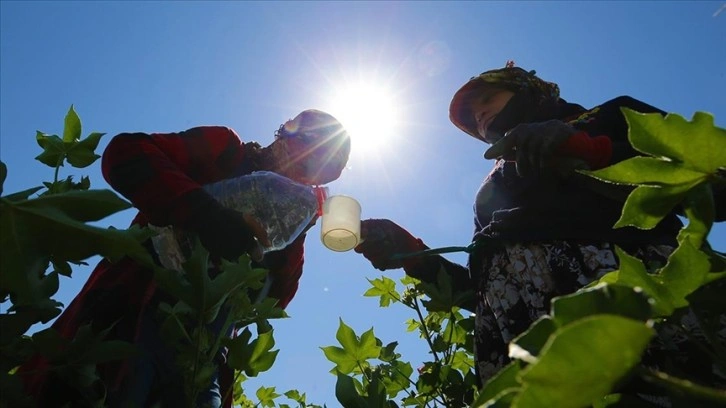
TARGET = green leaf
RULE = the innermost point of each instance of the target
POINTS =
(580, 365)
(462, 360)
(385, 288)
(633, 273)
(601, 299)
(22, 195)
(648, 171)
(253, 357)
(441, 294)
(54, 149)
(14, 325)
(698, 144)
(684, 273)
(62, 268)
(700, 208)
(3, 176)
(454, 334)
(527, 346)
(622, 401)
(344, 362)
(49, 343)
(346, 393)
(368, 347)
(646, 206)
(355, 351)
(90, 205)
(266, 396)
(388, 353)
(72, 126)
(708, 306)
(672, 284)
(505, 399)
(376, 391)
(398, 378)
(409, 280)
(295, 396)
(505, 380)
(82, 154)
(412, 324)
(31, 228)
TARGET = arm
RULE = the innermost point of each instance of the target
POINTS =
(382, 239)
(162, 174)
(602, 133)
(285, 267)
(426, 269)
(595, 139)
(602, 140)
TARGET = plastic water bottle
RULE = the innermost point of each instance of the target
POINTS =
(284, 208)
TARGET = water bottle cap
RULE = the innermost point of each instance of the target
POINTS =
(321, 193)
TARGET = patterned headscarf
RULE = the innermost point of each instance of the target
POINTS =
(511, 78)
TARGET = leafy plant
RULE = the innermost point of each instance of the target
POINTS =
(373, 375)
(207, 311)
(43, 231)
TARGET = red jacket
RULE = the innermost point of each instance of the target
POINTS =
(162, 175)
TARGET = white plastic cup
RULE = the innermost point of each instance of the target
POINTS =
(340, 227)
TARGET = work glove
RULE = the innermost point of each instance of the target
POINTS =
(381, 239)
(534, 147)
(228, 234)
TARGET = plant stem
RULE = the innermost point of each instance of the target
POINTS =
(448, 354)
(719, 352)
(682, 386)
(363, 372)
(411, 394)
(231, 387)
(57, 170)
(197, 346)
(427, 335)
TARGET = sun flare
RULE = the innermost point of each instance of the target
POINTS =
(368, 112)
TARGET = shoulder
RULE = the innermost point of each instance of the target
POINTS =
(626, 101)
(612, 110)
(212, 130)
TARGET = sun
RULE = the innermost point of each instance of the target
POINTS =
(368, 112)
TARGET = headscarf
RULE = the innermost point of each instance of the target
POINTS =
(511, 78)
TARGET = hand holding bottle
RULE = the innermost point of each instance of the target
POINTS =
(229, 234)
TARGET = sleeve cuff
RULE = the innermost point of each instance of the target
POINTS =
(596, 151)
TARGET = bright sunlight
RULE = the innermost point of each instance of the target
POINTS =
(368, 113)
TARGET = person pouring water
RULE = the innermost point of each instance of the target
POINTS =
(164, 176)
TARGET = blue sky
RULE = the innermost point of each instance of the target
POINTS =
(167, 66)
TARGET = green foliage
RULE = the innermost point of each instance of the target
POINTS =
(681, 157)
(353, 356)
(43, 231)
(373, 375)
